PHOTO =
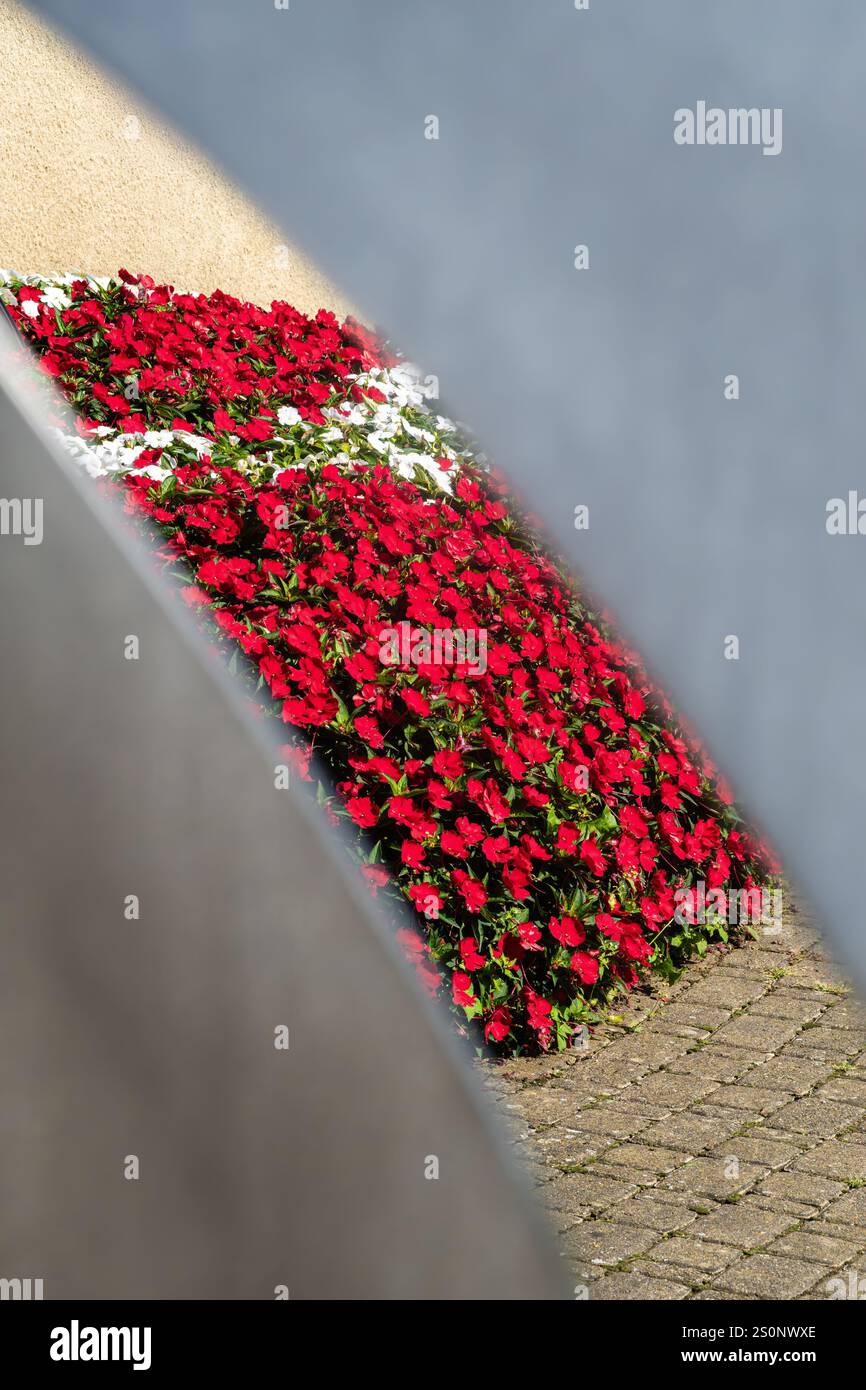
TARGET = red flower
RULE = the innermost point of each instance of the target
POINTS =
(469, 954)
(634, 822)
(472, 833)
(529, 936)
(448, 763)
(567, 838)
(538, 1012)
(496, 849)
(488, 796)
(567, 931)
(517, 882)
(472, 891)
(498, 1025)
(452, 843)
(412, 854)
(426, 898)
(376, 876)
(461, 989)
(415, 702)
(592, 855)
(362, 811)
(369, 731)
(585, 967)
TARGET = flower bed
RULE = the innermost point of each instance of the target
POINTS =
(508, 767)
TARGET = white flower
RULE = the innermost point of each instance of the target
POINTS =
(55, 297)
(31, 308)
(416, 433)
(287, 415)
(197, 442)
(356, 416)
(406, 463)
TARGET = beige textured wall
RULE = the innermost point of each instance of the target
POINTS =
(90, 181)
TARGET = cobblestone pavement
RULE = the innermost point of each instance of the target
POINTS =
(713, 1145)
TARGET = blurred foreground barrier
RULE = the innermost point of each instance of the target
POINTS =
(168, 922)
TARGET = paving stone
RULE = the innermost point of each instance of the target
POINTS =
(779, 1003)
(795, 1211)
(726, 992)
(803, 1188)
(753, 960)
(754, 1147)
(646, 999)
(652, 1212)
(743, 1224)
(689, 1274)
(647, 1051)
(631, 1287)
(707, 1177)
(691, 1131)
(850, 1208)
(519, 1070)
(759, 1100)
(771, 1276)
(606, 1242)
(820, 1226)
(635, 1177)
(816, 1116)
(847, 1013)
(821, 1249)
(836, 1043)
(705, 1018)
(604, 1119)
(760, 1035)
(674, 1089)
(715, 1063)
(704, 1256)
(560, 1150)
(835, 1159)
(813, 974)
(538, 1105)
(714, 1296)
(849, 1089)
(579, 1195)
(644, 1157)
(785, 938)
(797, 1075)
(792, 1137)
(599, 1076)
